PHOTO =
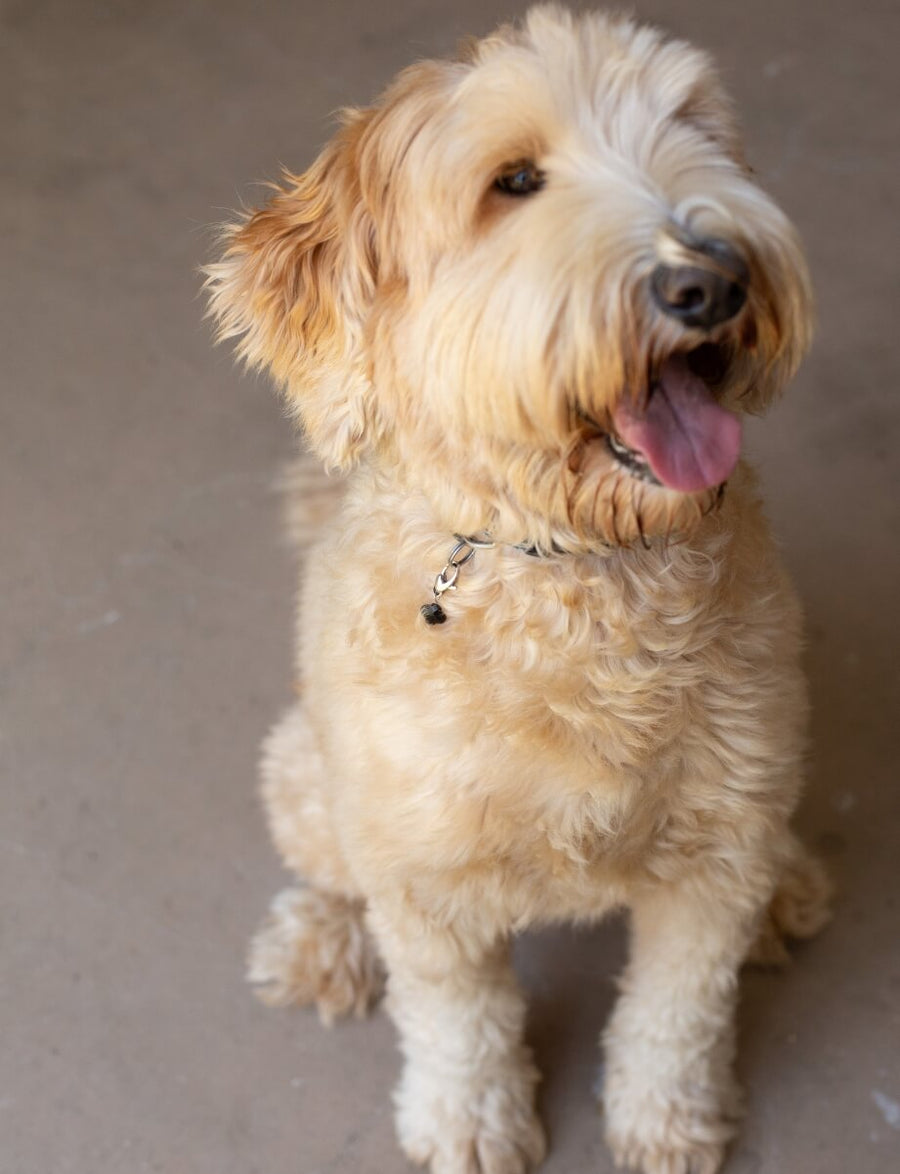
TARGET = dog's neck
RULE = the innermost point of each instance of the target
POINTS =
(465, 548)
(544, 552)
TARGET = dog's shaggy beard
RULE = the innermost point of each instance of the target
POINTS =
(511, 356)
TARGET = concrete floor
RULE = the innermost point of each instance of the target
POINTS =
(147, 598)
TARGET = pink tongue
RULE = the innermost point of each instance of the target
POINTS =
(688, 440)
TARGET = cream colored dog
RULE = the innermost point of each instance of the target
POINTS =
(525, 297)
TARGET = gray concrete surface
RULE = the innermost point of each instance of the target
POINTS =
(146, 598)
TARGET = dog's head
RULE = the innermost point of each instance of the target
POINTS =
(537, 283)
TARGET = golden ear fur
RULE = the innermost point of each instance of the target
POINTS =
(294, 285)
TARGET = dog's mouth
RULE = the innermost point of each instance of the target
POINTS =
(678, 435)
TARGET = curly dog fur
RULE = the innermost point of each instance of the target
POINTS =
(478, 301)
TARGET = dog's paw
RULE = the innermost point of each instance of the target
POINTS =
(692, 1158)
(495, 1131)
(685, 1133)
(314, 948)
(802, 902)
(800, 908)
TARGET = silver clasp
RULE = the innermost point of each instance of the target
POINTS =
(446, 579)
(464, 549)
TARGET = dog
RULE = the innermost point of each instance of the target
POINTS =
(548, 655)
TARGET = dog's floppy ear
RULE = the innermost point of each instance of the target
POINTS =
(295, 283)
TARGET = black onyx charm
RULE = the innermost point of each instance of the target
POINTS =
(433, 613)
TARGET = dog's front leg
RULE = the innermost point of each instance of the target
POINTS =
(465, 1103)
(670, 1098)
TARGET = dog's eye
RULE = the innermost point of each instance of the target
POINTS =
(520, 179)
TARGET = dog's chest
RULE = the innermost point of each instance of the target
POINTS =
(566, 728)
(587, 777)
(597, 757)
(603, 671)
(553, 727)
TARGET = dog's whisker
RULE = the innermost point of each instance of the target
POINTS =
(638, 514)
(614, 505)
(592, 518)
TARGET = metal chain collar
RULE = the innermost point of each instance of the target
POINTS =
(464, 550)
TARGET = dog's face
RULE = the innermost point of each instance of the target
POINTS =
(537, 283)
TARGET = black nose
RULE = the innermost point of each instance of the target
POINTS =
(706, 294)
